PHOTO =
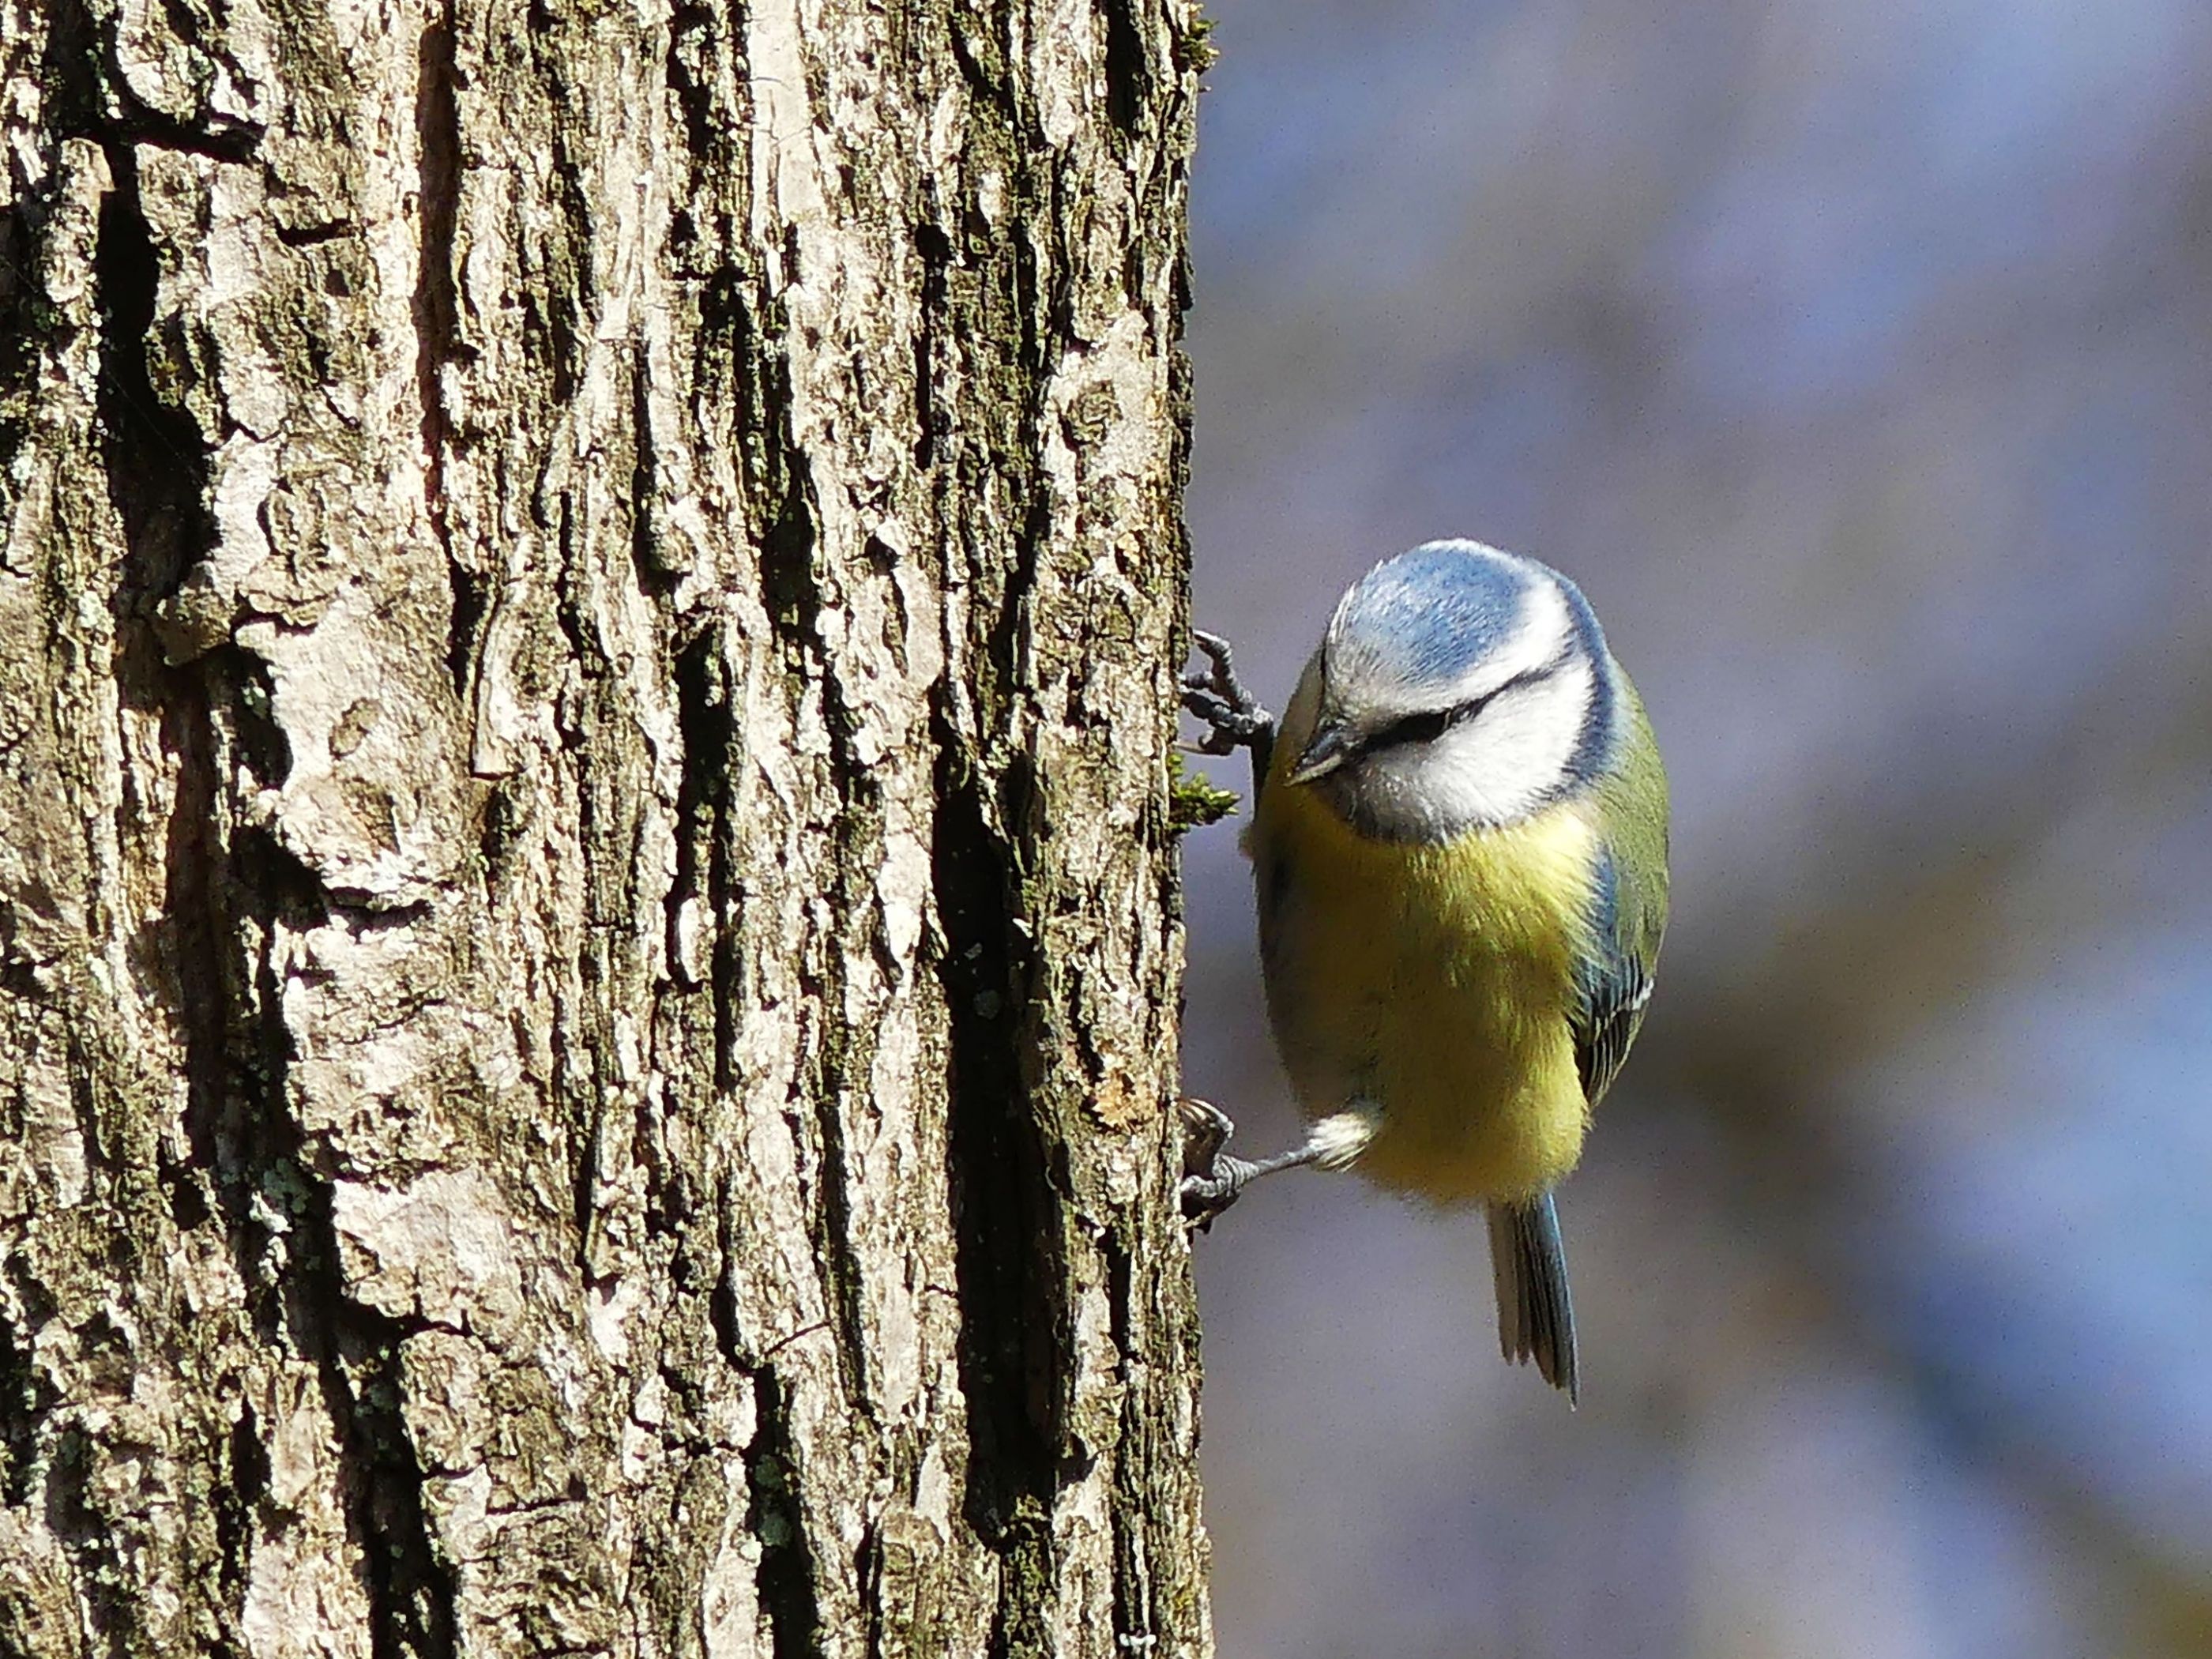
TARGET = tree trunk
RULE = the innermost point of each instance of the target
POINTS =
(588, 934)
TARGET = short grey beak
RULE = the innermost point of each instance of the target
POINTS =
(1328, 748)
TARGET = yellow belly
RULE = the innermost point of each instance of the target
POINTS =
(1436, 984)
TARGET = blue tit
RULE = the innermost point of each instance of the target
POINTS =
(1460, 848)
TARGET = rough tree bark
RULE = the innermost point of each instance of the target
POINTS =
(588, 943)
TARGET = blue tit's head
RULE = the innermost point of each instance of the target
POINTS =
(1458, 686)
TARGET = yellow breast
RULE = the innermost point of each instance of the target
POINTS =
(1436, 984)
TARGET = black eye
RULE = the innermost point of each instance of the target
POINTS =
(1414, 728)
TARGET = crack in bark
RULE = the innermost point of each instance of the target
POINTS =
(784, 1579)
(599, 708)
(931, 424)
(833, 1228)
(1008, 1309)
(22, 321)
(241, 682)
(1129, 77)
(650, 563)
(707, 724)
(305, 236)
(156, 455)
(722, 1298)
(788, 589)
(691, 25)
(1136, 1473)
(239, 1123)
(436, 311)
(26, 1400)
(786, 1573)
(238, 1050)
(247, 1459)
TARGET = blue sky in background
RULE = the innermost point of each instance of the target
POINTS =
(1858, 360)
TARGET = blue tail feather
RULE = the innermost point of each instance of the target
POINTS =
(1535, 1313)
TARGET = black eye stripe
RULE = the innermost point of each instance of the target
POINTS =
(1416, 728)
(1432, 724)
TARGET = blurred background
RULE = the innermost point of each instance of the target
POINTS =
(1857, 359)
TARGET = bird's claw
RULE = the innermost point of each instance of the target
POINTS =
(1211, 1180)
(1232, 714)
(1204, 1197)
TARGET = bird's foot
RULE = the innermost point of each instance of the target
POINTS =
(1211, 1180)
(1214, 694)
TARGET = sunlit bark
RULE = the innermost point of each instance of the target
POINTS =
(588, 943)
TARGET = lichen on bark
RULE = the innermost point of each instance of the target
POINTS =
(589, 944)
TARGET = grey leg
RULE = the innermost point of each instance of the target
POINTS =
(1233, 715)
(1212, 1179)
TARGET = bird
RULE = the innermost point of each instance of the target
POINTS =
(1459, 847)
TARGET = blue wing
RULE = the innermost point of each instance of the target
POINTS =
(1613, 985)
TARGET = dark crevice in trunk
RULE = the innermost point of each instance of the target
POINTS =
(22, 321)
(932, 424)
(1128, 78)
(1013, 1330)
(410, 1588)
(696, 33)
(245, 1485)
(833, 1228)
(1011, 1316)
(470, 602)
(785, 1579)
(657, 567)
(722, 1299)
(156, 456)
(437, 321)
(248, 897)
(581, 246)
(703, 884)
(789, 590)
(240, 683)
(1137, 1471)
(26, 1397)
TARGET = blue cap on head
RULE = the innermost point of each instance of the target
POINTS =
(1425, 615)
